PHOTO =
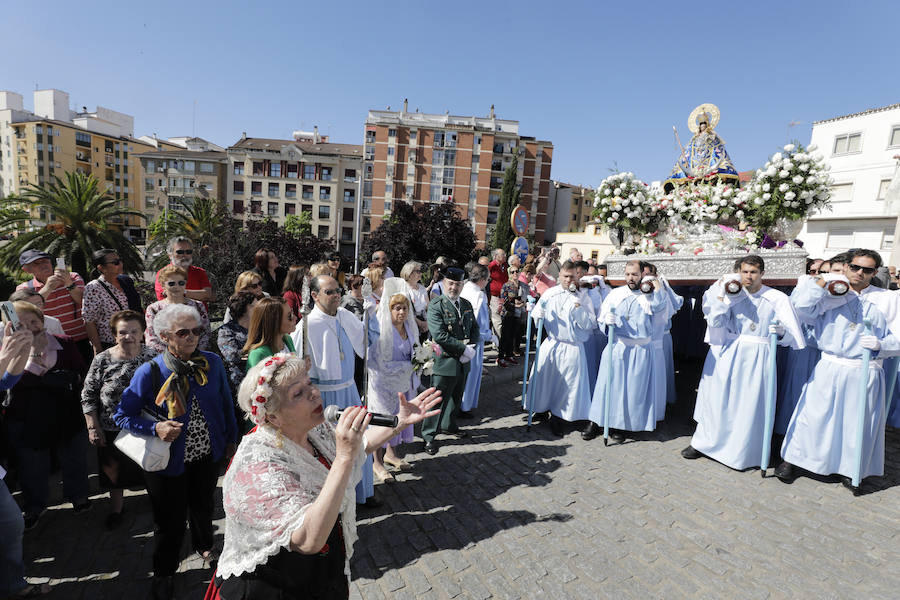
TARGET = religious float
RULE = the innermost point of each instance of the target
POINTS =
(703, 219)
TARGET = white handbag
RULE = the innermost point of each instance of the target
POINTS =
(149, 451)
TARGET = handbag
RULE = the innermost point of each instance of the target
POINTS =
(149, 451)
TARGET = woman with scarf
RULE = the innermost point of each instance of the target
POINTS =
(186, 391)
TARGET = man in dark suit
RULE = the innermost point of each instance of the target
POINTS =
(452, 324)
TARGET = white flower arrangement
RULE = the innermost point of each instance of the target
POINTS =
(704, 203)
(792, 185)
(423, 357)
(622, 201)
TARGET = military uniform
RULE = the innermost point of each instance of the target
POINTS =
(452, 327)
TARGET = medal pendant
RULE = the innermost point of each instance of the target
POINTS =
(852, 326)
(752, 326)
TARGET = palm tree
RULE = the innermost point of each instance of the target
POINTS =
(82, 218)
(202, 220)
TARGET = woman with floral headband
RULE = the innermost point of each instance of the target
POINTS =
(290, 505)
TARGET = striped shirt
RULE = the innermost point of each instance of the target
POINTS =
(59, 304)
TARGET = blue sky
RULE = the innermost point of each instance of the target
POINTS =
(604, 81)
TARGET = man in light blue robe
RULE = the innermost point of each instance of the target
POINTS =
(597, 292)
(559, 380)
(798, 368)
(821, 435)
(473, 291)
(662, 341)
(638, 376)
(730, 410)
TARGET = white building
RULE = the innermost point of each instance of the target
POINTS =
(860, 148)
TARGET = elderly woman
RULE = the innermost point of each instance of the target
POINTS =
(290, 511)
(44, 417)
(173, 280)
(393, 336)
(189, 396)
(108, 294)
(418, 294)
(109, 375)
(270, 328)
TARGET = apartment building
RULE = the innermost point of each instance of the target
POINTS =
(272, 178)
(569, 208)
(53, 139)
(419, 157)
(172, 178)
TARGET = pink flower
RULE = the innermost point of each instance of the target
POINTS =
(437, 349)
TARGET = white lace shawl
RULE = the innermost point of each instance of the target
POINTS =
(267, 491)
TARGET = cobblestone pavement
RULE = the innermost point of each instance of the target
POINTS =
(511, 513)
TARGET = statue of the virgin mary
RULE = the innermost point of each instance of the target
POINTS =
(705, 157)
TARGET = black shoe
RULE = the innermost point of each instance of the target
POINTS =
(82, 507)
(556, 426)
(616, 436)
(591, 431)
(431, 448)
(114, 520)
(848, 483)
(163, 588)
(785, 472)
(465, 414)
(691, 453)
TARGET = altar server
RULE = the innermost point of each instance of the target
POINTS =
(798, 368)
(560, 375)
(730, 410)
(473, 291)
(662, 335)
(638, 380)
(821, 436)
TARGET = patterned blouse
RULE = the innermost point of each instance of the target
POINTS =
(196, 441)
(231, 338)
(98, 306)
(152, 339)
(509, 293)
(106, 380)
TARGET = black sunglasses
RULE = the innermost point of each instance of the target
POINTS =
(331, 292)
(188, 251)
(866, 270)
(196, 332)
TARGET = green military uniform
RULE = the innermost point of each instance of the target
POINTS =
(452, 328)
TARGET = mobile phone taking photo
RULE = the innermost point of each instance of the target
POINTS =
(8, 312)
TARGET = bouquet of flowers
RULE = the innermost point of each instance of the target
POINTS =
(792, 185)
(627, 203)
(423, 357)
(705, 203)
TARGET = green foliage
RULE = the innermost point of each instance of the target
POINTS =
(299, 224)
(510, 195)
(422, 232)
(202, 221)
(85, 219)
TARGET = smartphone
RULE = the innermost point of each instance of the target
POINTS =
(8, 312)
(61, 263)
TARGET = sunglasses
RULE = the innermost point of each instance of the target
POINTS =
(180, 283)
(117, 262)
(331, 292)
(866, 270)
(188, 252)
(196, 332)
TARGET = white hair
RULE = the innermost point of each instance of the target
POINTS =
(284, 376)
(496, 252)
(165, 319)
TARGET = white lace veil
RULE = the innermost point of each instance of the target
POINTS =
(393, 285)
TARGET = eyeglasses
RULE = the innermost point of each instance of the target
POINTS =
(196, 332)
(116, 261)
(512, 271)
(189, 251)
(331, 292)
(866, 270)
(180, 283)
(815, 271)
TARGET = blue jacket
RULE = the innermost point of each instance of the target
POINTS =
(214, 399)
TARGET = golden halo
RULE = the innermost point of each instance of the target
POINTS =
(710, 109)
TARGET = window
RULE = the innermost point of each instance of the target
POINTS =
(387, 206)
(388, 188)
(842, 192)
(473, 180)
(206, 167)
(272, 209)
(437, 158)
(273, 190)
(392, 133)
(82, 139)
(290, 190)
(412, 137)
(309, 171)
(237, 206)
(346, 234)
(448, 176)
(370, 137)
(347, 214)
(38, 129)
(188, 166)
(367, 189)
(350, 196)
(323, 231)
(275, 169)
(238, 188)
(258, 168)
(148, 184)
(370, 152)
(350, 175)
(369, 170)
(847, 144)
(255, 207)
(887, 239)
(493, 199)
(438, 139)
(390, 151)
(307, 192)
(883, 188)
(307, 208)
(894, 140)
(290, 208)
(293, 170)
(324, 212)
(840, 238)
(256, 188)
(326, 174)
(324, 193)
(491, 218)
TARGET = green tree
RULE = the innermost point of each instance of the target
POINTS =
(202, 220)
(82, 218)
(510, 194)
(299, 224)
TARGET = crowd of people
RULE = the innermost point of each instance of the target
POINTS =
(87, 365)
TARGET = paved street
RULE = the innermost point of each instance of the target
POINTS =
(518, 514)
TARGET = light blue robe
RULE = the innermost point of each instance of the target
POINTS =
(483, 318)
(347, 396)
(730, 409)
(675, 302)
(821, 435)
(638, 374)
(560, 375)
(593, 348)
